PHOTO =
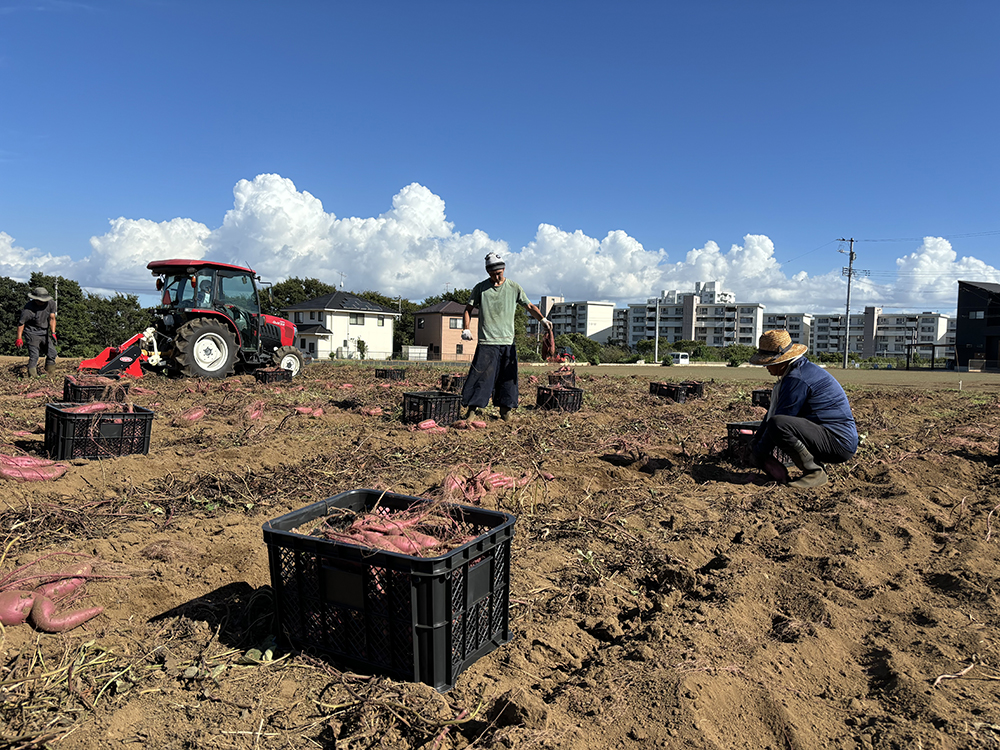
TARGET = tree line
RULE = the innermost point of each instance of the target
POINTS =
(88, 323)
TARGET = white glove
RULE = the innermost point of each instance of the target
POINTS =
(466, 335)
(547, 323)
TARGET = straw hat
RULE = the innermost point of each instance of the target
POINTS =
(775, 347)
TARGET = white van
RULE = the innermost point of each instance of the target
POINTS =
(680, 358)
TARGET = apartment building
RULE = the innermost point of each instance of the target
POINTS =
(595, 320)
(799, 325)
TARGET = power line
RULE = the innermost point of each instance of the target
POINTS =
(942, 236)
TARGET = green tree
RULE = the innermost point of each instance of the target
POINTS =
(114, 320)
(737, 354)
(362, 349)
(291, 292)
(13, 296)
(647, 348)
(73, 323)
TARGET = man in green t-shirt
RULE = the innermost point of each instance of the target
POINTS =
(494, 365)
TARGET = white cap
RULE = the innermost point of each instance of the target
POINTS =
(493, 260)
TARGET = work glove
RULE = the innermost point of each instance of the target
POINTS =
(54, 336)
(19, 343)
(547, 323)
(466, 335)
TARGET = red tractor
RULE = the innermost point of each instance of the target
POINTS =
(208, 323)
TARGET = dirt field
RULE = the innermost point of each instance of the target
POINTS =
(661, 597)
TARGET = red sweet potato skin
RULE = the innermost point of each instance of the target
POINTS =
(32, 473)
(15, 607)
(45, 618)
(69, 581)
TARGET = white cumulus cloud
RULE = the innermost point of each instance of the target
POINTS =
(412, 250)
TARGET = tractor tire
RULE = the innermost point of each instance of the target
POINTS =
(205, 348)
(289, 358)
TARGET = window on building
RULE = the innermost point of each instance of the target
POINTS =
(302, 343)
(312, 348)
(458, 349)
(298, 317)
(381, 320)
(312, 315)
(437, 349)
(357, 319)
(420, 323)
(455, 324)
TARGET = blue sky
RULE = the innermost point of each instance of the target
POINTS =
(609, 150)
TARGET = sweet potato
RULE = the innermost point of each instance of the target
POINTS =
(372, 411)
(477, 424)
(193, 414)
(33, 473)
(15, 606)
(25, 461)
(427, 424)
(255, 410)
(45, 618)
(304, 410)
(69, 580)
(317, 412)
(91, 407)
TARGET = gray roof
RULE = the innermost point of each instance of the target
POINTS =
(313, 329)
(341, 301)
(446, 308)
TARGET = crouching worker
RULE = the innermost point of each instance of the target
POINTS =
(809, 417)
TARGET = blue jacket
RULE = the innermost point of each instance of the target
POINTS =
(810, 392)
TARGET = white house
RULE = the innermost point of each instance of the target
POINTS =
(334, 324)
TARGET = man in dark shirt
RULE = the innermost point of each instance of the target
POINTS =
(809, 418)
(37, 328)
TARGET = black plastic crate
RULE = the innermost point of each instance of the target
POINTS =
(561, 398)
(453, 383)
(273, 375)
(674, 391)
(761, 397)
(567, 379)
(103, 434)
(418, 619)
(77, 392)
(440, 406)
(654, 388)
(391, 373)
(695, 389)
(740, 434)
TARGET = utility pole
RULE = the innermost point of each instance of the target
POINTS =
(850, 273)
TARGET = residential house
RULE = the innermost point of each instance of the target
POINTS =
(977, 329)
(334, 325)
(439, 328)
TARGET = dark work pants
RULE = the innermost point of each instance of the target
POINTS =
(493, 373)
(39, 343)
(781, 430)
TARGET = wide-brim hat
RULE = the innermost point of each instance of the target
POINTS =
(775, 347)
(40, 293)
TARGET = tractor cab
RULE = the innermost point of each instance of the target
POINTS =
(230, 292)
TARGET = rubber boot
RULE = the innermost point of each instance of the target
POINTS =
(473, 411)
(50, 368)
(505, 413)
(813, 474)
(32, 372)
